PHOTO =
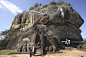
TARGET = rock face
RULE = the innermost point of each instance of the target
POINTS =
(57, 22)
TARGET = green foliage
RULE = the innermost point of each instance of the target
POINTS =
(8, 31)
(24, 11)
(81, 45)
(5, 52)
(78, 47)
(40, 4)
(4, 42)
(54, 0)
(31, 8)
(60, 2)
(6, 34)
(36, 5)
(53, 3)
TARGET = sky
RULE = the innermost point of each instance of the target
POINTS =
(10, 8)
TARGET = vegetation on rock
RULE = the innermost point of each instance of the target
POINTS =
(55, 3)
(24, 11)
(60, 2)
(52, 3)
(40, 4)
(81, 45)
(36, 5)
(31, 8)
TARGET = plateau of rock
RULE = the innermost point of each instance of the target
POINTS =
(49, 25)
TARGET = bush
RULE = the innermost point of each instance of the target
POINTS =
(24, 11)
(77, 46)
(83, 47)
(81, 44)
(40, 4)
(31, 8)
(6, 34)
(52, 3)
(60, 2)
(36, 5)
(4, 42)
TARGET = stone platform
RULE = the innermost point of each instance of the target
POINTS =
(19, 53)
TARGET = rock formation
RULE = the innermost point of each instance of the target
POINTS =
(57, 22)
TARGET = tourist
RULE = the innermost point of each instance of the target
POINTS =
(70, 48)
(80, 47)
(35, 44)
(38, 43)
(30, 52)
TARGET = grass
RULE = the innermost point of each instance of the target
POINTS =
(5, 52)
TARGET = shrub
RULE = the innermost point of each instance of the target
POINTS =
(4, 42)
(52, 3)
(78, 47)
(81, 44)
(36, 5)
(60, 2)
(31, 8)
(6, 34)
(40, 4)
(83, 47)
(24, 11)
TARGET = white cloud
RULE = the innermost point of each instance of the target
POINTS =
(5, 5)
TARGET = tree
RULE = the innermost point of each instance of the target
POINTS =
(24, 11)
(6, 34)
(40, 4)
(36, 5)
(31, 8)
(4, 42)
(60, 1)
(81, 45)
(53, 0)
(52, 3)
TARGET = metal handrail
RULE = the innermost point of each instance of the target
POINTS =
(34, 25)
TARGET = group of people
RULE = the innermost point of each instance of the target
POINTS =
(38, 44)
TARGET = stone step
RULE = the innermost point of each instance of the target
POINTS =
(38, 52)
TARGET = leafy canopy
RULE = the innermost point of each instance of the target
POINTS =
(81, 45)
(52, 3)
(60, 2)
(31, 8)
(36, 5)
(6, 34)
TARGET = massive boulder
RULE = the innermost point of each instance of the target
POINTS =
(58, 22)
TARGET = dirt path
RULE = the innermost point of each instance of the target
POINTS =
(66, 53)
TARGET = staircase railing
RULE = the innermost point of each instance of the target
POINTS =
(34, 25)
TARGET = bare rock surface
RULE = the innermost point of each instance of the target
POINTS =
(60, 22)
